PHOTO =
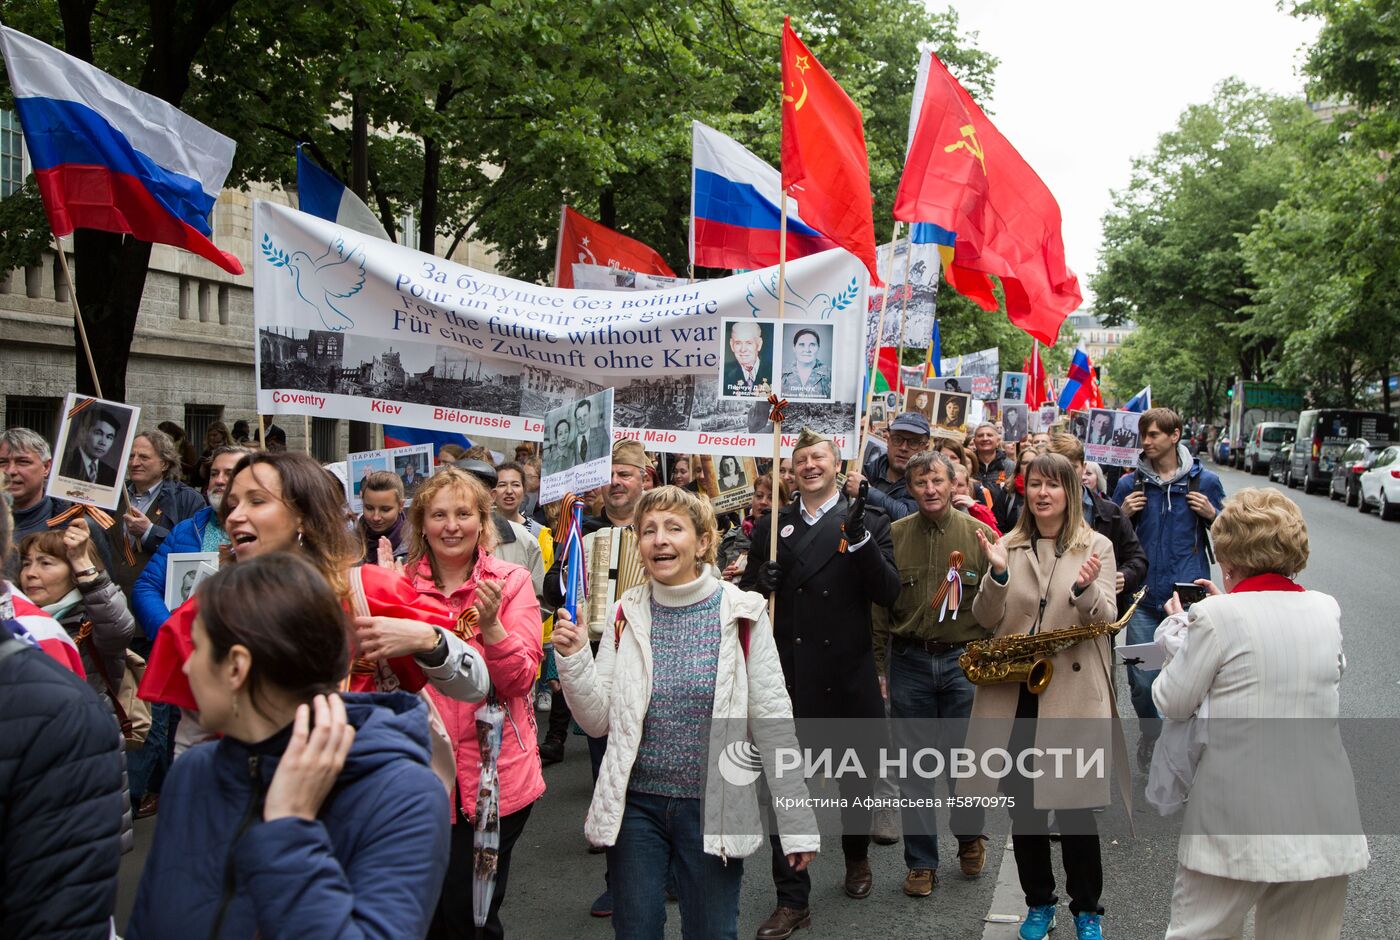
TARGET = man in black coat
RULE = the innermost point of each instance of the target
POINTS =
(1104, 516)
(835, 559)
(61, 797)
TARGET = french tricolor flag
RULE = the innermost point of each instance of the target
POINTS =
(109, 157)
(734, 208)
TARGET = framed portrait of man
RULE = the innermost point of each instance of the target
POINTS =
(1013, 421)
(921, 400)
(747, 366)
(94, 443)
(1013, 386)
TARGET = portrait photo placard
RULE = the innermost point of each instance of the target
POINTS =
(733, 479)
(805, 360)
(922, 400)
(1013, 386)
(578, 446)
(1013, 421)
(1112, 437)
(411, 464)
(183, 572)
(94, 443)
(1046, 417)
(950, 415)
(954, 383)
(748, 369)
(1079, 425)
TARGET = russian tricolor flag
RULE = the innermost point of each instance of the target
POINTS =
(734, 208)
(1140, 402)
(322, 195)
(1081, 387)
(399, 435)
(109, 157)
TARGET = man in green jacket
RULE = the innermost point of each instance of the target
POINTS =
(927, 629)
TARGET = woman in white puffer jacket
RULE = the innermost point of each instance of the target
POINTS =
(690, 676)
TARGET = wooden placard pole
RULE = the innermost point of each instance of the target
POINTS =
(777, 412)
(859, 459)
(77, 314)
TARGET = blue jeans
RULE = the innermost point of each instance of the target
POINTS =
(658, 834)
(930, 703)
(1141, 629)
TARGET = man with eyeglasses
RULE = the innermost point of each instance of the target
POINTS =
(908, 435)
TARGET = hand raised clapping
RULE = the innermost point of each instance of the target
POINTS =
(994, 552)
(1088, 572)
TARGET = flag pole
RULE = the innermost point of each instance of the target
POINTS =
(77, 314)
(875, 361)
(777, 412)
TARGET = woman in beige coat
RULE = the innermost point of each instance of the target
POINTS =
(1271, 820)
(1049, 572)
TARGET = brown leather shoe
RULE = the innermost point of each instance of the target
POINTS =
(859, 881)
(919, 882)
(782, 922)
(150, 805)
(972, 855)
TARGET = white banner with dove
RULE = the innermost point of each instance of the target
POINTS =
(360, 328)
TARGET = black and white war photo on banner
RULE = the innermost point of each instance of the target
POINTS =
(94, 443)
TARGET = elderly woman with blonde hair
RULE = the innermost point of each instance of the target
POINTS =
(1271, 820)
(689, 673)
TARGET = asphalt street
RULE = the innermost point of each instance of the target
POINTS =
(1354, 557)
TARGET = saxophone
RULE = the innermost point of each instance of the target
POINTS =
(1025, 657)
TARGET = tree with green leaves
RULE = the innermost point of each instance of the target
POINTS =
(1172, 261)
(480, 117)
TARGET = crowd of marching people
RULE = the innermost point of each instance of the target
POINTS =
(337, 731)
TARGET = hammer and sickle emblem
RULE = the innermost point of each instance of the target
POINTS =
(972, 145)
(802, 64)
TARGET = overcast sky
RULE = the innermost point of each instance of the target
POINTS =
(1084, 86)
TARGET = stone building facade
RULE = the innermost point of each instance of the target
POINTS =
(192, 356)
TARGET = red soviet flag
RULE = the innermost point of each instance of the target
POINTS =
(963, 175)
(824, 160)
(581, 240)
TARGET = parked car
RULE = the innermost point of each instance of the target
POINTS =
(1264, 441)
(1280, 462)
(1355, 460)
(1380, 485)
(1222, 451)
(1324, 433)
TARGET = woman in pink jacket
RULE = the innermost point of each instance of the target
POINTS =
(450, 559)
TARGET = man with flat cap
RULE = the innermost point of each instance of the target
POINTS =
(906, 436)
(835, 559)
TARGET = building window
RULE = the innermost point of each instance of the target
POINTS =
(60, 283)
(198, 418)
(11, 154)
(325, 439)
(37, 414)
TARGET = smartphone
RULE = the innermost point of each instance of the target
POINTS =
(1189, 592)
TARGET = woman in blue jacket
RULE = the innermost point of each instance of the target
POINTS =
(316, 815)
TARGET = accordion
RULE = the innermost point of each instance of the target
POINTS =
(614, 566)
